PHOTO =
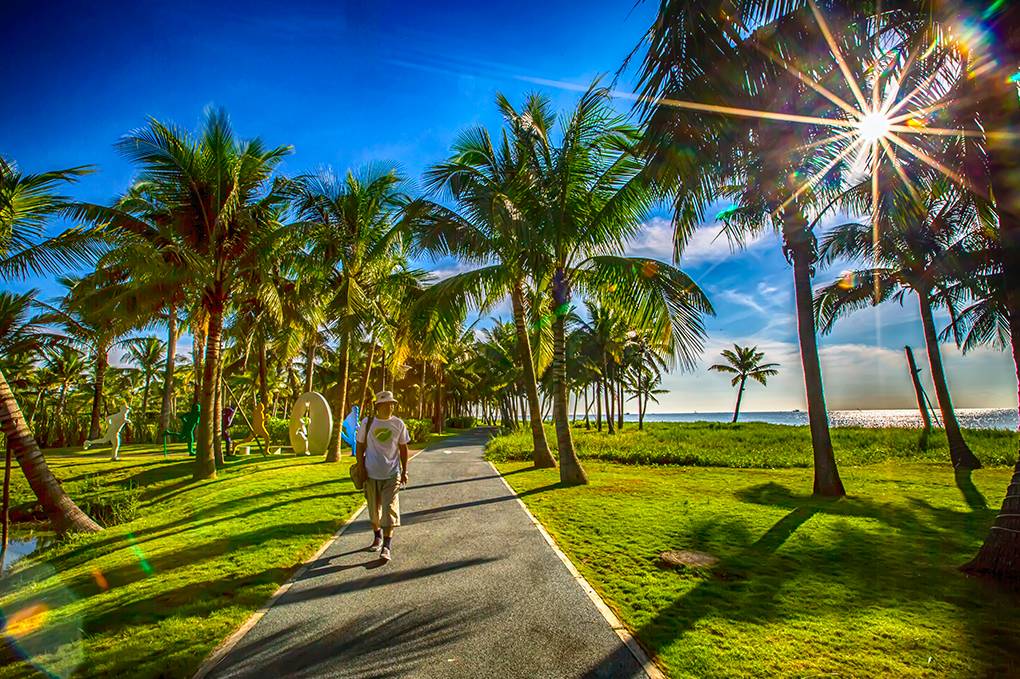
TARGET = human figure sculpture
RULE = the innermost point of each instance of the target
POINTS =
(259, 434)
(226, 421)
(349, 430)
(302, 432)
(114, 423)
(189, 421)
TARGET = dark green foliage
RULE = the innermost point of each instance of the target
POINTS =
(419, 430)
(461, 422)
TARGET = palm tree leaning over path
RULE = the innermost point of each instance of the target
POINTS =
(223, 203)
(27, 201)
(351, 227)
(744, 362)
(491, 183)
(920, 249)
(589, 199)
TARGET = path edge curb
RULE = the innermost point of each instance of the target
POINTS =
(651, 670)
(228, 644)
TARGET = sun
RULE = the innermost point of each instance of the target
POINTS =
(874, 127)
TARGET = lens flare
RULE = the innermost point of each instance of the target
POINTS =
(874, 126)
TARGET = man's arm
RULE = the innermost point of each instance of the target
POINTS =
(403, 462)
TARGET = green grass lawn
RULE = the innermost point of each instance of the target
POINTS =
(865, 586)
(757, 444)
(152, 596)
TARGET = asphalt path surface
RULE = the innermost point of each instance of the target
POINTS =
(473, 590)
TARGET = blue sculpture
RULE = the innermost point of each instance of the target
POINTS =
(349, 428)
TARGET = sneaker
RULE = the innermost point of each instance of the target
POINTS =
(376, 544)
(385, 554)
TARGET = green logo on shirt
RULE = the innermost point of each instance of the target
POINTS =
(382, 434)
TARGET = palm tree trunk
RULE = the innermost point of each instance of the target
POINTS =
(198, 347)
(919, 393)
(263, 372)
(63, 514)
(587, 408)
(218, 413)
(58, 416)
(421, 391)
(598, 404)
(740, 395)
(570, 467)
(309, 365)
(333, 454)
(827, 482)
(959, 452)
(168, 372)
(205, 460)
(607, 391)
(5, 505)
(367, 377)
(102, 361)
(619, 412)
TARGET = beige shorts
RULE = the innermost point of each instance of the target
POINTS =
(383, 502)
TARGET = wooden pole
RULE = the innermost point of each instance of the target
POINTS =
(918, 390)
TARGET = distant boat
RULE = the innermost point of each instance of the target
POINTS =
(795, 410)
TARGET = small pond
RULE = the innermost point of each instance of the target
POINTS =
(25, 543)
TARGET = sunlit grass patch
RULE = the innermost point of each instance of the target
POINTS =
(866, 586)
(151, 596)
(756, 445)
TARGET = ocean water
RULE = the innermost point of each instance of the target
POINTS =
(971, 418)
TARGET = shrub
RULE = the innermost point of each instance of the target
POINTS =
(279, 430)
(462, 422)
(419, 430)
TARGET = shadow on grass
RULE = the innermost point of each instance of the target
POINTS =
(971, 495)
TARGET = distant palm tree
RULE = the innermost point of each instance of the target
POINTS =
(744, 362)
(146, 353)
(27, 201)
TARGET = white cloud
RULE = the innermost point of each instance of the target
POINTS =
(707, 244)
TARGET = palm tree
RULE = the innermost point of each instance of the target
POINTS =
(919, 249)
(744, 362)
(223, 203)
(589, 198)
(490, 182)
(27, 201)
(147, 353)
(757, 163)
(352, 234)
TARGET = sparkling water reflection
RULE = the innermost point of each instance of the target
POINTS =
(971, 418)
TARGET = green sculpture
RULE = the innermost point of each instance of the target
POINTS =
(189, 421)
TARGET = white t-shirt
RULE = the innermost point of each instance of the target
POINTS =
(382, 455)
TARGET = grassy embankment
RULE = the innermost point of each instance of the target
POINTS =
(185, 564)
(866, 586)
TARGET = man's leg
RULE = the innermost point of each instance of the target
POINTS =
(372, 497)
(390, 514)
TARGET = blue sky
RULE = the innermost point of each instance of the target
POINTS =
(351, 83)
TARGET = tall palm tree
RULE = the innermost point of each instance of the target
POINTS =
(744, 362)
(350, 224)
(589, 198)
(758, 164)
(223, 207)
(147, 353)
(490, 183)
(920, 246)
(27, 201)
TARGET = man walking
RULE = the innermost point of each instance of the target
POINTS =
(382, 453)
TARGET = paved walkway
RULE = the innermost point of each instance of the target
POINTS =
(473, 590)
